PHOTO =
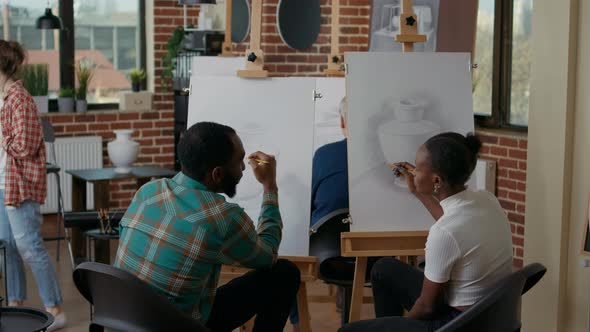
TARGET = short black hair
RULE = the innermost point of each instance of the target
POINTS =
(204, 146)
(453, 156)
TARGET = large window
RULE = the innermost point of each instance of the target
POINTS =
(502, 55)
(106, 34)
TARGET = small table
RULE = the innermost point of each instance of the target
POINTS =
(101, 177)
(95, 235)
(24, 319)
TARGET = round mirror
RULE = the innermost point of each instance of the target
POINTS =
(299, 24)
(240, 20)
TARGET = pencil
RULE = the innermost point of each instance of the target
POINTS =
(260, 161)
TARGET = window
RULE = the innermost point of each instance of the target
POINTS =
(106, 33)
(19, 25)
(502, 54)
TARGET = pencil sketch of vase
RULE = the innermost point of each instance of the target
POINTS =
(386, 24)
(400, 138)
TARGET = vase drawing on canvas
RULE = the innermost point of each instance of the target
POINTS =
(401, 136)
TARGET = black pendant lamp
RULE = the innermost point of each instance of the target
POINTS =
(48, 20)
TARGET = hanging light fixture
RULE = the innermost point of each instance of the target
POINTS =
(48, 20)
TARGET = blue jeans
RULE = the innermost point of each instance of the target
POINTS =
(20, 229)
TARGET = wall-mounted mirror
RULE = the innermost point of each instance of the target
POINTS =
(299, 24)
(240, 20)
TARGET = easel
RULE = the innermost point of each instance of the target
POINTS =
(226, 49)
(335, 59)
(308, 266)
(373, 244)
(254, 55)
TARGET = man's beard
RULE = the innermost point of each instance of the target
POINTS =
(229, 185)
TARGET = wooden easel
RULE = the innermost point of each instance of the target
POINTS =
(226, 49)
(308, 266)
(335, 59)
(254, 55)
(373, 244)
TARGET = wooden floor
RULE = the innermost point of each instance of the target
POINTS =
(323, 315)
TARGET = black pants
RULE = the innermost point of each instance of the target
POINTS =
(397, 286)
(266, 294)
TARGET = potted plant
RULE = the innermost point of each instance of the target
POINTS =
(65, 101)
(173, 48)
(136, 76)
(35, 79)
(84, 74)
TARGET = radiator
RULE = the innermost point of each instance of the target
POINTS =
(71, 153)
(485, 175)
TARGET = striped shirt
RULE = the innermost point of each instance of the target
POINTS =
(176, 234)
(22, 139)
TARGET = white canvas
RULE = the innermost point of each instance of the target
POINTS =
(385, 25)
(387, 92)
(216, 65)
(275, 116)
(327, 115)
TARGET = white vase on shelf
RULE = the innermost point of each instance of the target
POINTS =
(123, 150)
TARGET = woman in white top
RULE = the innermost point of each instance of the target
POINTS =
(468, 249)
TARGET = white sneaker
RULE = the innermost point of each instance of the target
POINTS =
(59, 322)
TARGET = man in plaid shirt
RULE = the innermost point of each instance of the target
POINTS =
(178, 232)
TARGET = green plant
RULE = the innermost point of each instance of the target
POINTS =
(137, 75)
(66, 93)
(35, 79)
(84, 74)
(173, 47)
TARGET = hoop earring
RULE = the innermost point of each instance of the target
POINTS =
(436, 188)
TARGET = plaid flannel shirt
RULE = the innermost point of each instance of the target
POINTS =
(176, 234)
(23, 142)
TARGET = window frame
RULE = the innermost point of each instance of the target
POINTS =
(502, 70)
(66, 40)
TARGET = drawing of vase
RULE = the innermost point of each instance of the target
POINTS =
(123, 151)
(401, 137)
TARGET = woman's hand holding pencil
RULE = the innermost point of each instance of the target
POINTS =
(406, 170)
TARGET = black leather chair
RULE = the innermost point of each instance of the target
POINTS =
(498, 311)
(324, 243)
(124, 303)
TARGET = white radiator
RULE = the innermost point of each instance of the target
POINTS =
(71, 153)
(485, 175)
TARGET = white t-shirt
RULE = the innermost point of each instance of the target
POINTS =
(470, 246)
(2, 151)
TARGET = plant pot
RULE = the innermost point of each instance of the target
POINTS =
(135, 87)
(123, 151)
(81, 106)
(65, 104)
(42, 103)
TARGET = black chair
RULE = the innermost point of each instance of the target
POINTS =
(125, 303)
(325, 244)
(498, 311)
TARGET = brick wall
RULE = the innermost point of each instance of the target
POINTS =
(154, 129)
(509, 150)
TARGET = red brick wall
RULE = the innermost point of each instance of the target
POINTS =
(154, 129)
(509, 150)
